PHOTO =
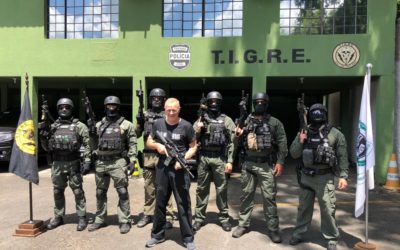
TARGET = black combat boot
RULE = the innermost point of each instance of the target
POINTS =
(57, 221)
(275, 236)
(82, 223)
(146, 219)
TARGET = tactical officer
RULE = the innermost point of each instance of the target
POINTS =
(322, 151)
(63, 141)
(150, 158)
(265, 153)
(215, 131)
(116, 153)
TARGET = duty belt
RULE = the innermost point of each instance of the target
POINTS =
(65, 157)
(212, 154)
(108, 157)
(313, 171)
(257, 159)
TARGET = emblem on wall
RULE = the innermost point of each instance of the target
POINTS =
(179, 56)
(346, 55)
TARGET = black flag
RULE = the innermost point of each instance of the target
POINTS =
(23, 160)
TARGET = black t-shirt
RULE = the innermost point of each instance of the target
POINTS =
(182, 134)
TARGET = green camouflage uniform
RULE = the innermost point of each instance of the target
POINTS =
(257, 169)
(65, 169)
(212, 168)
(114, 166)
(322, 187)
(150, 159)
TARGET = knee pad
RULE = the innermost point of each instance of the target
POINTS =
(79, 193)
(58, 193)
(123, 193)
(101, 194)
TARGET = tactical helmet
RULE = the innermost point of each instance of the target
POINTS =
(67, 112)
(110, 112)
(157, 92)
(157, 103)
(260, 109)
(318, 113)
(214, 106)
(112, 100)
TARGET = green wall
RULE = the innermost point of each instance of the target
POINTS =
(141, 52)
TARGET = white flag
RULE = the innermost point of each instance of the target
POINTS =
(365, 149)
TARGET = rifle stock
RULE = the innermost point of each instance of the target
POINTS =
(243, 110)
(303, 110)
(140, 114)
(91, 121)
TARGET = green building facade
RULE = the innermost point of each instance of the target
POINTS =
(325, 62)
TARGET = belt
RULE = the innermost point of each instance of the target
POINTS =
(65, 157)
(108, 157)
(257, 159)
(313, 171)
(213, 154)
(149, 151)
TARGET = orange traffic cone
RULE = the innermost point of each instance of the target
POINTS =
(392, 179)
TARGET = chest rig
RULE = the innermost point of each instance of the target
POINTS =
(111, 138)
(65, 139)
(150, 119)
(317, 149)
(259, 134)
(215, 134)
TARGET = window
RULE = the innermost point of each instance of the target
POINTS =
(197, 18)
(312, 17)
(78, 19)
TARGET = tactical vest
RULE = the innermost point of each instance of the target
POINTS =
(216, 133)
(111, 140)
(65, 138)
(259, 134)
(317, 149)
(150, 119)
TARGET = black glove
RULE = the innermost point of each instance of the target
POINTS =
(129, 169)
(44, 134)
(92, 131)
(85, 168)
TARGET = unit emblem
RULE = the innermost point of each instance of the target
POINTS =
(346, 55)
(179, 56)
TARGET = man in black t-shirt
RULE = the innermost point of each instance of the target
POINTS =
(172, 178)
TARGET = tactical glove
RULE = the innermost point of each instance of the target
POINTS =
(44, 134)
(129, 169)
(85, 168)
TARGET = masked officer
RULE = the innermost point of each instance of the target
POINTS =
(63, 141)
(116, 155)
(150, 158)
(266, 150)
(322, 151)
(216, 132)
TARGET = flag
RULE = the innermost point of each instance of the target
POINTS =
(23, 160)
(365, 149)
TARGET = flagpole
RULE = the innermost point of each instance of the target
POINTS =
(369, 67)
(30, 204)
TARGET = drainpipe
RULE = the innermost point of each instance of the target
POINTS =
(397, 98)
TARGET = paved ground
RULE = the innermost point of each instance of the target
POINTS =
(384, 228)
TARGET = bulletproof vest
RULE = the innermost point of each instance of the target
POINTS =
(111, 141)
(259, 134)
(65, 138)
(150, 119)
(215, 134)
(317, 149)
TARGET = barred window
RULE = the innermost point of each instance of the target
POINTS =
(82, 19)
(202, 18)
(312, 17)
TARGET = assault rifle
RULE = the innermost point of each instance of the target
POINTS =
(46, 118)
(174, 154)
(91, 122)
(140, 114)
(303, 110)
(202, 108)
(243, 110)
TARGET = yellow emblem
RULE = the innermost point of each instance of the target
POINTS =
(25, 137)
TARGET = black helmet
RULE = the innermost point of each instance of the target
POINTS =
(157, 92)
(260, 109)
(214, 106)
(318, 113)
(112, 100)
(112, 112)
(66, 112)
